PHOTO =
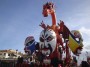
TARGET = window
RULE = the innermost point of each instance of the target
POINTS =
(0, 53)
(4, 53)
(8, 54)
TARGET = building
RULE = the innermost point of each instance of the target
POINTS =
(10, 54)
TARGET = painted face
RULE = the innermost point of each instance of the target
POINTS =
(79, 39)
(29, 45)
(47, 41)
(77, 35)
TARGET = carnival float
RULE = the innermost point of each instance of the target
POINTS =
(54, 40)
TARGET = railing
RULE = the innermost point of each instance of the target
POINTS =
(23, 64)
(12, 64)
(7, 64)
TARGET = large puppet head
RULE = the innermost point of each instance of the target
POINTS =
(29, 45)
(47, 41)
(76, 42)
(78, 37)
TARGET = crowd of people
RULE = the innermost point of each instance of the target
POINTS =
(34, 62)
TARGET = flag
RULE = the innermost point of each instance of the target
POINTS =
(66, 32)
(73, 43)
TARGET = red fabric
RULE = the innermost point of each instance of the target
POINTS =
(59, 65)
(55, 54)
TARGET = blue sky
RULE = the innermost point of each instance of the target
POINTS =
(21, 18)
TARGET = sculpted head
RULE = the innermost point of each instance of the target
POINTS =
(47, 41)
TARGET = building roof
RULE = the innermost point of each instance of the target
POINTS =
(11, 51)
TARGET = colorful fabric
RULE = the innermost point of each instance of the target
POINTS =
(73, 44)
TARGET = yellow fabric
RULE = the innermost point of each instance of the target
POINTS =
(73, 44)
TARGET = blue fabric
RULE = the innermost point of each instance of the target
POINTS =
(31, 47)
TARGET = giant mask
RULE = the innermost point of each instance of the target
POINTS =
(29, 45)
(47, 41)
(76, 41)
(78, 36)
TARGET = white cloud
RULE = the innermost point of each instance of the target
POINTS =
(85, 31)
(86, 36)
(80, 16)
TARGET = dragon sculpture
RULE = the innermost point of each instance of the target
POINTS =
(51, 43)
(51, 36)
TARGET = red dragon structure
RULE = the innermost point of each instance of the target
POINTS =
(55, 39)
(51, 37)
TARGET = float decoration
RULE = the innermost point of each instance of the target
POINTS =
(50, 34)
(30, 45)
(51, 45)
(60, 29)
